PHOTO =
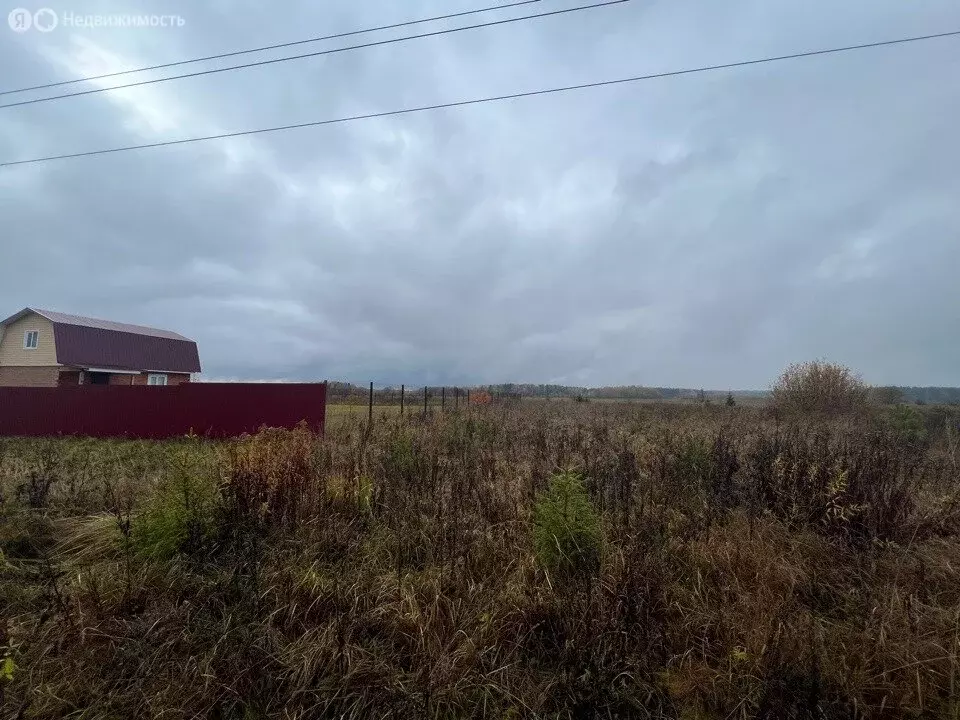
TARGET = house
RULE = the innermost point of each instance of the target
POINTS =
(40, 348)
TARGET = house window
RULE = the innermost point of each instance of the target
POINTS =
(31, 338)
(156, 379)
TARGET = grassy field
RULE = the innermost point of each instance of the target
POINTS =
(338, 411)
(547, 560)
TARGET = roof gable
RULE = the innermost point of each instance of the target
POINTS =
(16, 316)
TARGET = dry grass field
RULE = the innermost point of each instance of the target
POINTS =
(543, 560)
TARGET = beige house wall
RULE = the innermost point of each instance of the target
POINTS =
(12, 352)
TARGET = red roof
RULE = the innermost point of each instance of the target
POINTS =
(91, 343)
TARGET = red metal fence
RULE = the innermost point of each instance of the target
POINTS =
(211, 409)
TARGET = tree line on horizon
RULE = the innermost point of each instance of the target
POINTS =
(891, 395)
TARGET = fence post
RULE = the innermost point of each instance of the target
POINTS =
(443, 397)
(456, 398)
(402, 389)
(370, 407)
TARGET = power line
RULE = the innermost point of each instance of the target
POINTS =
(278, 46)
(318, 53)
(496, 98)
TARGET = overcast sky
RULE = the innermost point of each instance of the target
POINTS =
(696, 231)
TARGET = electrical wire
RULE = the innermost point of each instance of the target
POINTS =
(496, 98)
(264, 48)
(318, 53)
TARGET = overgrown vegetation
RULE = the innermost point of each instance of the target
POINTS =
(819, 386)
(554, 560)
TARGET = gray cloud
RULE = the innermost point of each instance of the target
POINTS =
(699, 231)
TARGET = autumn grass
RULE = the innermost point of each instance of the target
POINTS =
(360, 411)
(547, 560)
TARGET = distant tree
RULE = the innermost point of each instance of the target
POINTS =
(819, 386)
(702, 397)
(886, 395)
(730, 401)
(932, 395)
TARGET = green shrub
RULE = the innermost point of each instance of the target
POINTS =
(181, 513)
(567, 534)
(401, 459)
(692, 461)
(908, 424)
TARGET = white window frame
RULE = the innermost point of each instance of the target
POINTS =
(157, 379)
(31, 335)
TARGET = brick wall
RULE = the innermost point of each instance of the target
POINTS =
(172, 378)
(21, 376)
(69, 377)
